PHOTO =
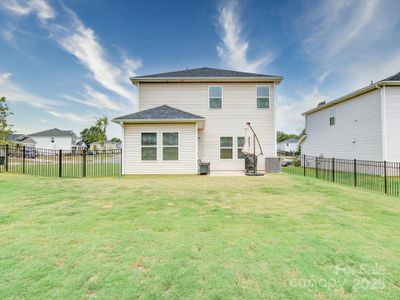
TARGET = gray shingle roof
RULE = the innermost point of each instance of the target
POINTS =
(54, 132)
(163, 112)
(291, 140)
(203, 72)
(17, 137)
(395, 77)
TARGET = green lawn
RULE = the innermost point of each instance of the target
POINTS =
(276, 237)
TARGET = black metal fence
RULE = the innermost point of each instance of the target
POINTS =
(60, 163)
(380, 176)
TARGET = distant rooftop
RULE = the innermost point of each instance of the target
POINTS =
(291, 140)
(54, 132)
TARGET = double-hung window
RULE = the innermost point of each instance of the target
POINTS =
(262, 96)
(332, 117)
(170, 145)
(215, 97)
(226, 147)
(149, 145)
(240, 144)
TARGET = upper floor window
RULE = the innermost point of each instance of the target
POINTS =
(332, 117)
(262, 96)
(149, 145)
(170, 145)
(215, 97)
(226, 147)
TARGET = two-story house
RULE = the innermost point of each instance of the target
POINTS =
(364, 124)
(57, 139)
(197, 114)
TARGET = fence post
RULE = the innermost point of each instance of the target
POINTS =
(316, 167)
(304, 165)
(84, 163)
(23, 159)
(333, 169)
(6, 158)
(60, 163)
(384, 166)
(355, 172)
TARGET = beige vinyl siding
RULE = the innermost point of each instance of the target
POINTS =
(358, 118)
(392, 120)
(239, 107)
(187, 162)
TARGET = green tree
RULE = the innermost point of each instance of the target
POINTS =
(95, 133)
(5, 127)
(282, 136)
(116, 140)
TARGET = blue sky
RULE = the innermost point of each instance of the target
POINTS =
(62, 63)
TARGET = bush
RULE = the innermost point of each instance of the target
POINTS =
(297, 163)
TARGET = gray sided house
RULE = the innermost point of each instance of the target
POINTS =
(197, 114)
(364, 124)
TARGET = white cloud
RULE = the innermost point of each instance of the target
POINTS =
(234, 47)
(21, 8)
(93, 98)
(14, 92)
(81, 41)
(348, 44)
(68, 116)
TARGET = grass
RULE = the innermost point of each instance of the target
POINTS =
(69, 169)
(277, 237)
(374, 182)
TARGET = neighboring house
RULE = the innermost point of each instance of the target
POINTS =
(22, 139)
(107, 145)
(289, 145)
(197, 114)
(57, 139)
(364, 124)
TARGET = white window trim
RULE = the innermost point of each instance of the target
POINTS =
(233, 147)
(162, 145)
(332, 116)
(222, 96)
(148, 146)
(269, 96)
(237, 146)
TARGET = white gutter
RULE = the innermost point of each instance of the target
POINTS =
(383, 119)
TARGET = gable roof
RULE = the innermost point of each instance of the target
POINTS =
(17, 137)
(203, 74)
(392, 80)
(54, 132)
(163, 112)
(291, 140)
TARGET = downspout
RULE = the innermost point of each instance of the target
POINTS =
(383, 119)
(123, 148)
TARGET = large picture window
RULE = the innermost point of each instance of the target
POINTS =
(215, 97)
(170, 145)
(226, 147)
(240, 144)
(262, 96)
(149, 145)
